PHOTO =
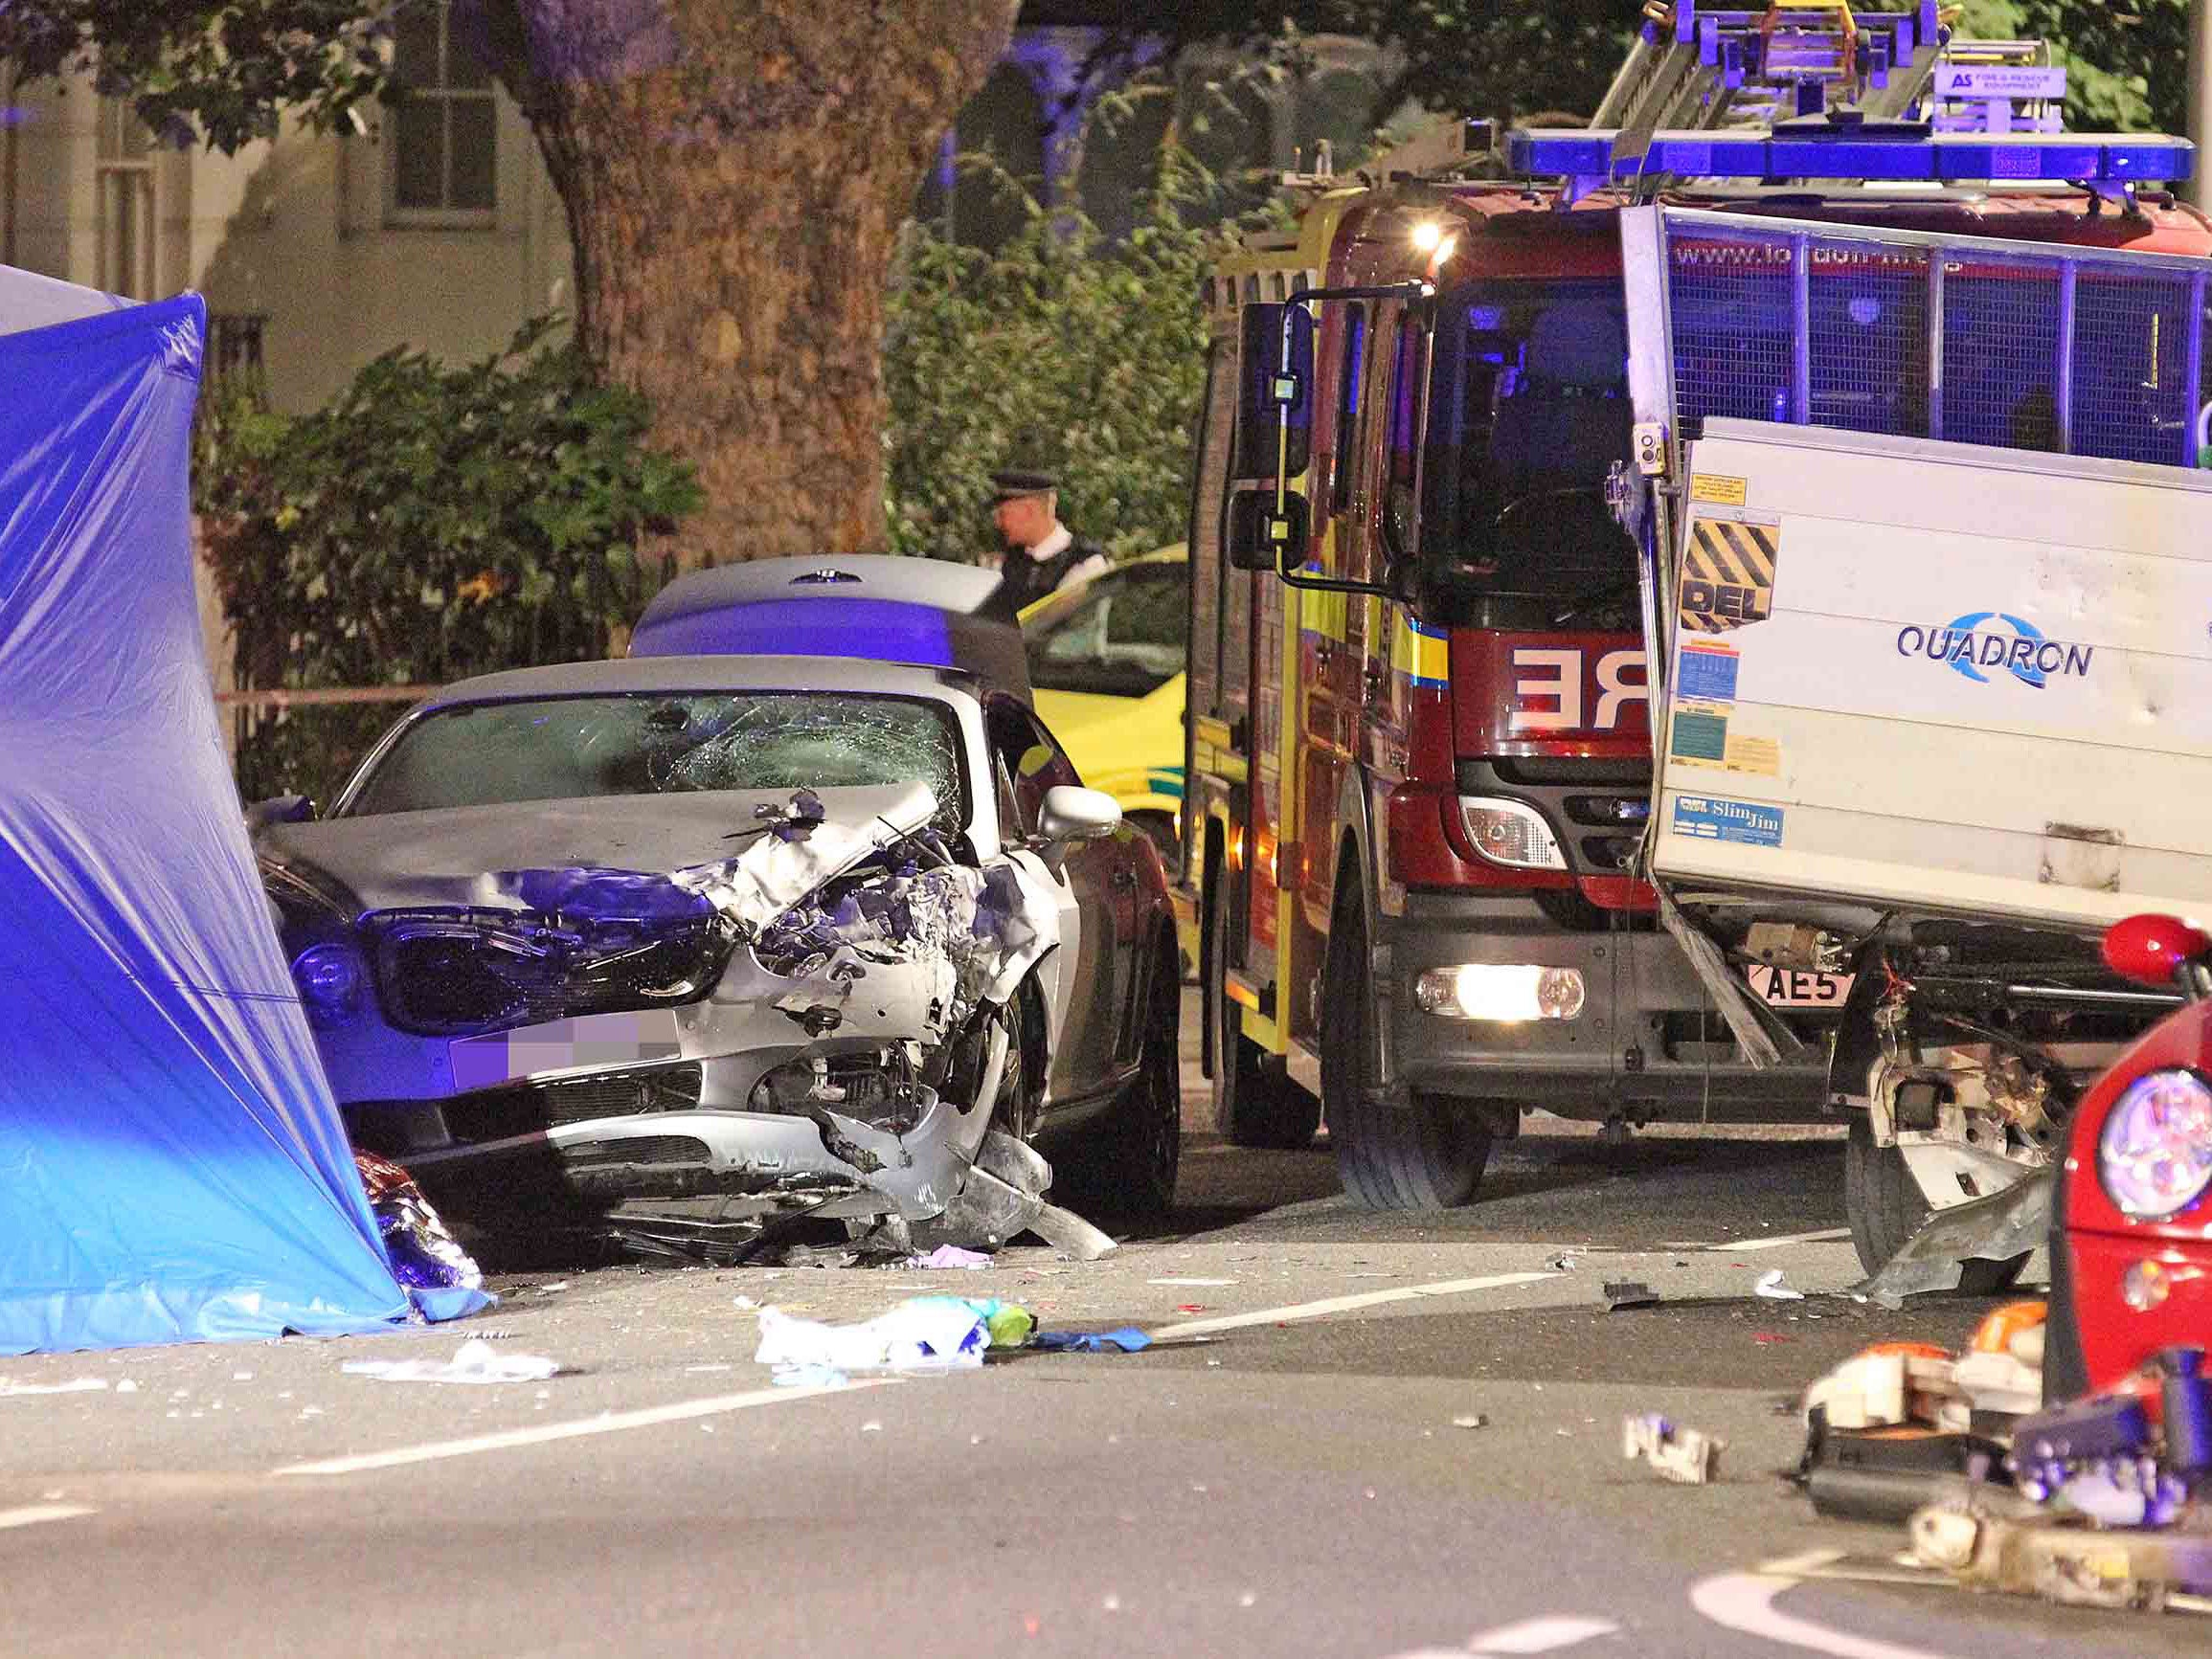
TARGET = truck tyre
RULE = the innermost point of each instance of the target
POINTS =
(1886, 1207)
(1255, 1102)
(1427, 1155)
(1124, 1164)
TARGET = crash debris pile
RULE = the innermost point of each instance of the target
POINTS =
(2103, 1502)
(440, 1278)
(923, 1334)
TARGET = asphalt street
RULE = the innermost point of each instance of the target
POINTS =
(1359, 1436)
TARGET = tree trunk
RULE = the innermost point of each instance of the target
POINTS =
(734, 174)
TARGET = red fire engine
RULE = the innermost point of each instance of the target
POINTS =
(1420, 758)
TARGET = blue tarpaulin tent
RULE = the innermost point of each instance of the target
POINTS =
(172, 1164)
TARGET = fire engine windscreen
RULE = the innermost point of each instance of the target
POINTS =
(1528, 410)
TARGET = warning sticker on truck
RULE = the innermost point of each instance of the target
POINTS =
(1729, 575)
(1712, 486)
(1707, 673)
(1701, 737)
(1746, 823)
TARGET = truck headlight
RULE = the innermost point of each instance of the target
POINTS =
(1511, 833)
(1507, 992)
(331, 978)
(2155, 1154)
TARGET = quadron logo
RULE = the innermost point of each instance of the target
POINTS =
(1968, 645)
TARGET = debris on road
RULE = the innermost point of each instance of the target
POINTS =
(442, 1279)
(1770, 1287)
(1620, 1294)
(2096, 1502)
(477, 1361)
(949, 1256)
(1202, 1284)
(924, 1334)
(1681, 1454)
(1473, 1420)
(1128, 1339)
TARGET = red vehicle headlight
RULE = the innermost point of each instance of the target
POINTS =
(2154, 1154)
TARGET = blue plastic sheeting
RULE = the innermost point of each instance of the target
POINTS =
(172, 1166)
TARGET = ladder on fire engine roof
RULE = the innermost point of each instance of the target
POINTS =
(1701, 67)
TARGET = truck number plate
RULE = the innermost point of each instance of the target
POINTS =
(1790, 988)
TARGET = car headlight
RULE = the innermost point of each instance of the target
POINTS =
(2154, 1156)
(1511, 833)
(331, 978)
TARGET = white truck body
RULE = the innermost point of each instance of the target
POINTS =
(1940, 678)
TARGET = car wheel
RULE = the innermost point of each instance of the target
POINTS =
(1255, 1103)
(1124, 1164)
(1886, 1207)
(1427, 1155)
(1014, 1108)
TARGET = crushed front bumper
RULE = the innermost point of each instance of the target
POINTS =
(1648, 1040)
(573, 1117)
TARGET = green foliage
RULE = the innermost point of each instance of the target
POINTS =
(430, 522)
(2130, 60)
(218, 71)
(1060, 349)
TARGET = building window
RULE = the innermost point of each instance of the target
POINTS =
(444, 130)
(125, 187)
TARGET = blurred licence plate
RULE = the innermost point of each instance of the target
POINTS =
(1790, 988)
(588, 1042)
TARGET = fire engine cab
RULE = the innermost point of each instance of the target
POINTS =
(1424, 570)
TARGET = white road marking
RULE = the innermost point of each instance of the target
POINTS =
(1541, 1635)
(1343, 1304)
(1743, 1601)
(31, 1515)
(1826, 1235)
(606, 1423)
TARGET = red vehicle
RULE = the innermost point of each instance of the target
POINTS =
(2132, 1227)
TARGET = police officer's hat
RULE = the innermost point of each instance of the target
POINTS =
(1018, 482)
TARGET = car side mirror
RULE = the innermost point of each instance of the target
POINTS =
(278, 809)
(1074, 814)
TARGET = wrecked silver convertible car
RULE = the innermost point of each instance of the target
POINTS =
(693, 944)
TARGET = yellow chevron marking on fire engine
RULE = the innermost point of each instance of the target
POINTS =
(1729, 575)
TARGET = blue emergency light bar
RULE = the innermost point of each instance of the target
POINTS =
(1592, 157)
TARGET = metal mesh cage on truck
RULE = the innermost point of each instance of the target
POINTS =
(2077, 350)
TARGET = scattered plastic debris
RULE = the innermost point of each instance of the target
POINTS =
(1620, 1294)
(81, 1385)
(441, 1280)
(923, 1333)
(745, 1304)
(1190, 1308)
(1473, 1420)
(477, 1361)
(1128, 1339)
(1561, 1263)
(1681, 1454)
(949, 1256)
(1770, 1287)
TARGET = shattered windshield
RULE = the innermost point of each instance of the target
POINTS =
(1528, 410)
(658, 743)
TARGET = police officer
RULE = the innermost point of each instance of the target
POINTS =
(1042, 553)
